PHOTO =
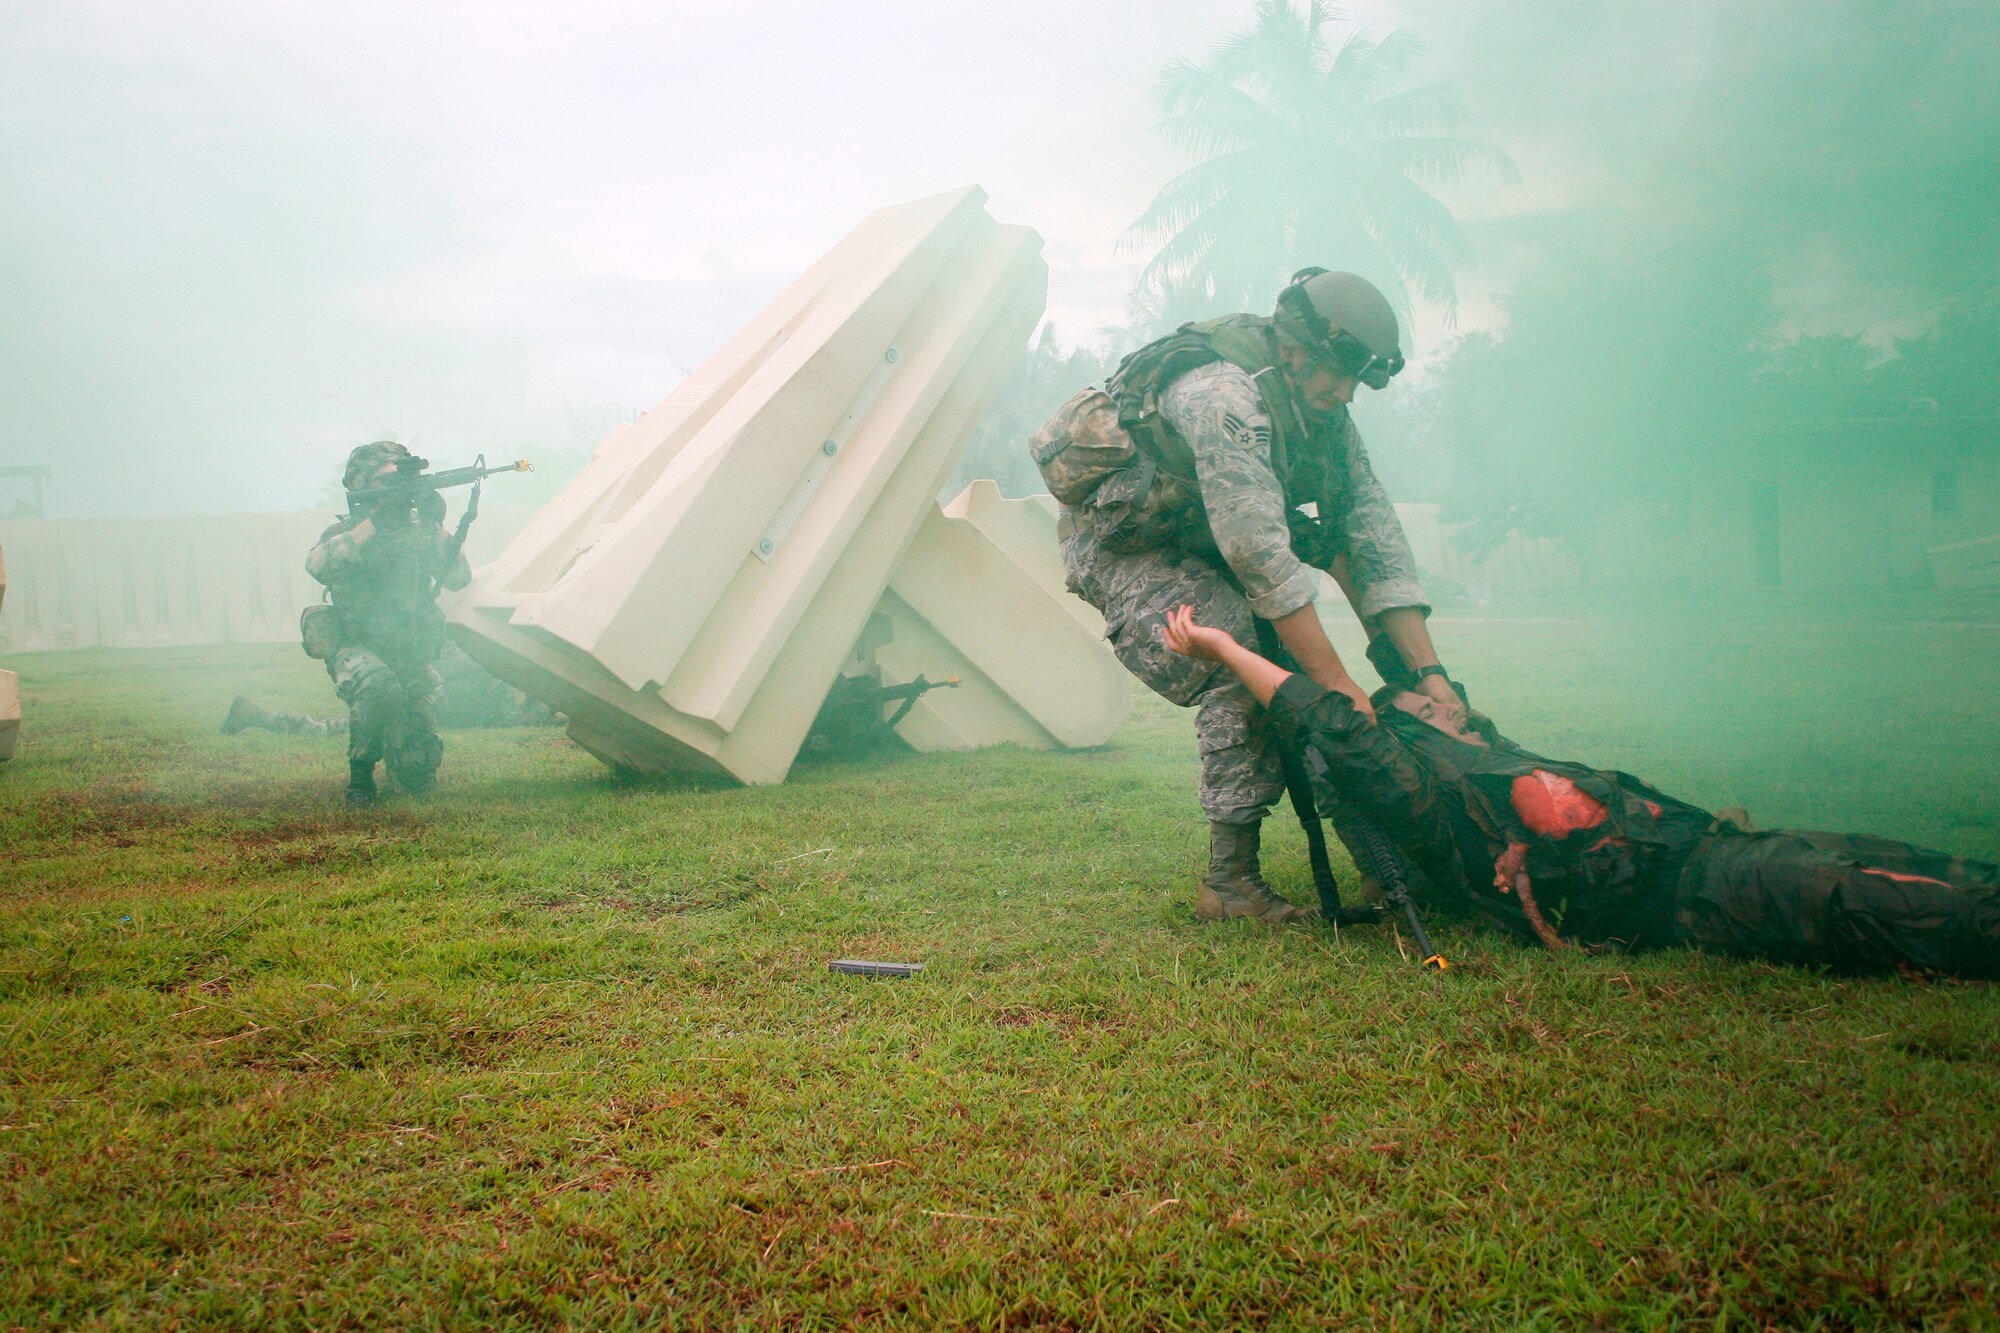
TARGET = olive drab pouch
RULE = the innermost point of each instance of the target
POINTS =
(319, 631)
(1091, 466)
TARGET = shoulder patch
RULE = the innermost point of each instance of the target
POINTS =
(1254, 434)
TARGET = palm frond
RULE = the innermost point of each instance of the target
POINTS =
(1308, 146)
(1428, 108)
(1421, 269)
(1438, 161)
(1396, 54)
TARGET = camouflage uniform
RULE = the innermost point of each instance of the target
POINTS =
(1256, 569)
(391, 712)
(391, 631)
(300, 724)
(472, 697)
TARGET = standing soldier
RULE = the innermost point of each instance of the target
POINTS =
(385, 563)
(1220, 470)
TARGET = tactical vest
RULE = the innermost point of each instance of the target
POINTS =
(1110, 454)
(389, 603)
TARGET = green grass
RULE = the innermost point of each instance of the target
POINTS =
(542, 1050)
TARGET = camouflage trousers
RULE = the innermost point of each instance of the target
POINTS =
(1241, 773)
(391, 714)
(1846, 901)
(301, 724)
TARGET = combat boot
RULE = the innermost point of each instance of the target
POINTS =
(1234, 886)
(244, 712)
(360, 782)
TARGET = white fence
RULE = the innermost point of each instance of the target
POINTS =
(152, 582)
(240, 578)
(1520, 565)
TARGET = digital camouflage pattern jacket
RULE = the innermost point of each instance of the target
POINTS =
(385, 589)
(1198, 443)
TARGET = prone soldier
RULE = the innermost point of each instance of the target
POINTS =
(1572, 856)
(472, 697)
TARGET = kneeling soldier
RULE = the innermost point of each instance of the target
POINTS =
(385, 564)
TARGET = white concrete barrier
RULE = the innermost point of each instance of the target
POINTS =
(980, 596)
(184, 579)
(689, 600)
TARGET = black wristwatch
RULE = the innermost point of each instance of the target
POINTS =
(1417, 676)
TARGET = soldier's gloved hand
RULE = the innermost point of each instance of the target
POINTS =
(391, 511)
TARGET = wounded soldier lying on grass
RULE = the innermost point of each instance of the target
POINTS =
(1572, 855)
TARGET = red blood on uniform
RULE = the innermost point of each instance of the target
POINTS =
(1904, 877)
(1553, 806)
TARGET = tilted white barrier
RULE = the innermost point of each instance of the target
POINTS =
(980, 596)
(690, 599)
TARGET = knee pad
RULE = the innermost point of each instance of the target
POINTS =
(414, 757)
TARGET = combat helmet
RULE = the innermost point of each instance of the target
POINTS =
(365, 459)
(1343, 319)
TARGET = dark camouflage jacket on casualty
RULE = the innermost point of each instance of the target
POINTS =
(1455, 808)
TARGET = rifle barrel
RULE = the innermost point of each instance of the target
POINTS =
(437, 481)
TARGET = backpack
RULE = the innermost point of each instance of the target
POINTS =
(1109, 456)
(1092, 466)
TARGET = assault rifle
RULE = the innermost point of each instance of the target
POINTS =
(852, 718)
(413, 482)
(906, 696)
(1381, 858)
(1378, 855)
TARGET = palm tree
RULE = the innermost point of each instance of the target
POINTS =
(1308, 152)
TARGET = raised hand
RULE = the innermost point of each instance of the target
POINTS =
(1189, 639)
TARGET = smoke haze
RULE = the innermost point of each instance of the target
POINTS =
(237, 239)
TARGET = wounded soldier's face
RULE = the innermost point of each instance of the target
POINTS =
(1425, 709)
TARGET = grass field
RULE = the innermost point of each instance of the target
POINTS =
(543, 1050)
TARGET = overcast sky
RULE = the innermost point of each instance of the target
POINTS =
(241, 237)
(238, 238)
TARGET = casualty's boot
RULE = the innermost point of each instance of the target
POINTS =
(1234, 886)
(244, 712)
(360, 782)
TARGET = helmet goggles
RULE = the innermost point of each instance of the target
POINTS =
(1337, 346)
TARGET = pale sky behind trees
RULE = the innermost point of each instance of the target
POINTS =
(237, 238)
